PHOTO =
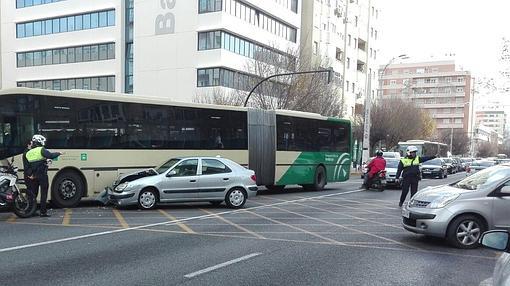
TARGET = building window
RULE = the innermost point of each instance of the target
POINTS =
(446, 120)
(260, 19)
(375, 34)
(66, 24)
(220, 39)
(101, 83)
(207, 6)
(347, 85)
(338, 54)
(68, 55)
(30, 3)
(460, 89)
(393, 82)
(315, 48)
(349, 40)
(355, 21)
(208, 77)
(348, 62)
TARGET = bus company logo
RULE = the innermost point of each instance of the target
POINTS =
(165, 23)
(83, 157)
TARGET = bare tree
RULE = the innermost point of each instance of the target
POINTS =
(460, 141)
(394, 120)
(309, 93)
(486, 149)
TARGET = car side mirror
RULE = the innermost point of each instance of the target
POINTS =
(171, 173)
(495, 239)
(505, 190)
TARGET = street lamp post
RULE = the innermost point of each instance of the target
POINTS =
(329, 71)
(368, 101)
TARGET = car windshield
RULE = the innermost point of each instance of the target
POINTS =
(484, 177)
(436, 162)
(163, 168)
(447, 160)
(392, 163)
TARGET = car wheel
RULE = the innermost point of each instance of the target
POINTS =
(216, 203)
(464, 231)
(235, 198)
(320, 180)
(148, 199)
(441, 176)
(67, 189)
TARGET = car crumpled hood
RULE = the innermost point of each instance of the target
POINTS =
(502, 271)
(431, 193)
(129, 177)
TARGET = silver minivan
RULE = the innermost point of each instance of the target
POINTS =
(462, 211)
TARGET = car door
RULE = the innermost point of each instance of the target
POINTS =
(215, 178)
(181, 182)
(501, 208)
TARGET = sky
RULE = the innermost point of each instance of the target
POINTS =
(472, 30)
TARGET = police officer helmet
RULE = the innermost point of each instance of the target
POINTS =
(39, 140)
(379, 153)
(411, 149)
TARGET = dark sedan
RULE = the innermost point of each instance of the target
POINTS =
(435, 168)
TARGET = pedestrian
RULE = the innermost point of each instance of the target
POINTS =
(37, 158)
(409, 167)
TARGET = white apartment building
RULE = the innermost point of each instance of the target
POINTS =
(345, 33)
(492, 116)
(165, 48)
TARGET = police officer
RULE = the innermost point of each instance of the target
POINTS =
(409, 167)
(37, 158)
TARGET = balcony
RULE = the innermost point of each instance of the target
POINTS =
(439, 84)
(449, 125)
(447, 115)
(439, 95)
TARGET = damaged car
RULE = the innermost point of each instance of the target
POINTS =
(190, 179)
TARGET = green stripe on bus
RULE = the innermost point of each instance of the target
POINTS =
(302, 171)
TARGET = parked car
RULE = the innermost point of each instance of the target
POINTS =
(499, 240)
(462, 211)
(393, 155)
(391, 172)
(478, 165)
(435, 168)
(189, 179)
(452, 169)
(465, 162)
(458, 163)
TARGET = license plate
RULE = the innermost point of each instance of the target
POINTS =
(405, 213)
(426, 172)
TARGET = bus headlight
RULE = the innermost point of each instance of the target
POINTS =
(121, 187)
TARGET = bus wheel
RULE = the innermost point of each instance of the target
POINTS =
(67, 189)
(319, 180)
(274, 188)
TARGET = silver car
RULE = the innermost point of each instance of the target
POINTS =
(499, 240)
(190, 179)
(462, 211)
(391, 172)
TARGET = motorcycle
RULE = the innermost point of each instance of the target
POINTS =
(378, 182)
(11, 196)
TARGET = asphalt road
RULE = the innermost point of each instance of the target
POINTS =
(341, 236)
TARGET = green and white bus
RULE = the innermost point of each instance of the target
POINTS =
(105, 134)
(425, 148)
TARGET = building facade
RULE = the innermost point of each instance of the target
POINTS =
(169, 48)
(493, 117)
(438, 87)
(344, 35)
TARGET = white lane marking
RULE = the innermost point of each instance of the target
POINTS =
(221, 265)
(166, 222)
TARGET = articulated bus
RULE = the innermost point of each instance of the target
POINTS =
(105, 134)
(425, 148)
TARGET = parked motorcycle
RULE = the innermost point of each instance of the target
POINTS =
(11, 196)
(378, 182)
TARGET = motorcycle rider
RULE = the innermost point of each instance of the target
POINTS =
(409, 167)
(37, 158)
(377, 164)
